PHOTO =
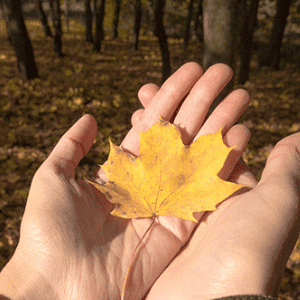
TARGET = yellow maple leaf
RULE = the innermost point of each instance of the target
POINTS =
(168, 178)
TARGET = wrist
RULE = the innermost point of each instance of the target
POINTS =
(8, 283)
(18, 282)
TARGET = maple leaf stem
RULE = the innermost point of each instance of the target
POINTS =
(133, 257)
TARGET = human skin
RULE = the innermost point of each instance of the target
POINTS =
(72, 248)
(243, 246)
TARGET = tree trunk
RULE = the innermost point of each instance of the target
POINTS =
(220, 28)
(162, 38)
(116, 18)
(271, 54)
(188, 24)
(88, 21)
(198, 24)
(99, 35)
(250, 9)
(67, 14)
(150, 16)
(43, 18)
(7, 29)
(94, 16)
(12, 12)
(94, 7)
(137, 24)
(51, 7)
(56, 19)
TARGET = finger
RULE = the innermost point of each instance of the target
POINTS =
(164, 103)
(136, 116)
(195, 107)
(238, 137)
(172, 92)
(278, 194)
(73, 146)
(241, 174)
(283, 164)
(226, 113)
(147, 93)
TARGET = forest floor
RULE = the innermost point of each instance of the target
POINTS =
(33, 115)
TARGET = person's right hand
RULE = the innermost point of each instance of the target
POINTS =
(243, 246)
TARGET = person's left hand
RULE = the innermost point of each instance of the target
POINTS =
(70, 246)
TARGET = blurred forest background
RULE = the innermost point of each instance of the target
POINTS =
(60, 59)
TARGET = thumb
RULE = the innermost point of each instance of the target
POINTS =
(72, 146)
(279, 187)
(278, 192)
(283, 164)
